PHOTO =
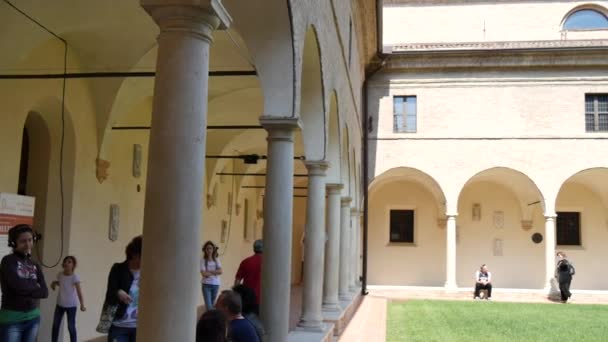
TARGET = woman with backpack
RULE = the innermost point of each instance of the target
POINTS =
(564, 273)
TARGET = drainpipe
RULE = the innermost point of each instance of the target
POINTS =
(366, 129)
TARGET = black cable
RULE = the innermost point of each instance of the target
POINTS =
(230, 210)
(65, 69)
(37, 23)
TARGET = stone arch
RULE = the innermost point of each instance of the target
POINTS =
(333, 136)
(595, 179)
(344, 161)
(56, 227)
(415, 175)
(524, 188)
(312, 104)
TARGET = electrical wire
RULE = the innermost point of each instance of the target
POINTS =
(225, 249)
(61, 149)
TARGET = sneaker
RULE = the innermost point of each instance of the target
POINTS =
(489, 298)
(477, 298)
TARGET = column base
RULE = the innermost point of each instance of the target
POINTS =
(450, 287)
(332, 307)
(314, 326)
(345, 297)
(325, 334)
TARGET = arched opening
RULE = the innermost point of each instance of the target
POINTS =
(34, 170)
(586, 18)
(499, 210)
(406, 224)
(312, 103)
(582, 225)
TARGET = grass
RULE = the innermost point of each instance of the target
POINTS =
(431, 320)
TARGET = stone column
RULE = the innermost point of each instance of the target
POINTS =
(549, 250)
(354, 259)
(278, 213)
(332, 249)
(345, 254)
(174, 188)
(314, 245)
(450, 265)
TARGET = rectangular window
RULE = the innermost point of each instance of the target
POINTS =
(596, 112)
(568, 228)
(402, 226)
(404, 114)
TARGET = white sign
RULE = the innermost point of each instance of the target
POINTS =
(14, 210)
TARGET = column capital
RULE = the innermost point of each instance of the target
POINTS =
(550, 216)
(273, 122)
(199, 17)
(451, 215)
(334, 188)
(280, 129)
(316, 167)
(346, 201)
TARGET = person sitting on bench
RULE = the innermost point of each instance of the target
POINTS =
(483, 281)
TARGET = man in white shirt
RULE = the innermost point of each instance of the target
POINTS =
(483, 281)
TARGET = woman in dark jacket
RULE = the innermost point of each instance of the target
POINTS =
(23, 285)
(563, 273)
(123, 290)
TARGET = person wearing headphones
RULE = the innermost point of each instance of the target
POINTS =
(23, 285)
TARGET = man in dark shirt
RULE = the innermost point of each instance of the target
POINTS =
(239, 328)
(250, 272)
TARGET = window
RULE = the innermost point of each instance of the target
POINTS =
(596, 112)
(586, 19)
(402, 226)
(569, 228)
(404, 111)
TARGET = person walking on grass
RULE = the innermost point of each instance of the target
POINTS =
(70, 294)
(564, 272)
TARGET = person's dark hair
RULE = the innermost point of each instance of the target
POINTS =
(211, 327)
(16, 231)
(232, 301)
(70, 257)
(134, 248)
(214, 255)
(248, 298)
(258, 245)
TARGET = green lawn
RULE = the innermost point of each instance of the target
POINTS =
(431, 320)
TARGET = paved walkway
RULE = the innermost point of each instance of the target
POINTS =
(369, 322)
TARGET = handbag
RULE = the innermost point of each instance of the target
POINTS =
(107, 317)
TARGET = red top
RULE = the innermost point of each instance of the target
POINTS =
(250, 271)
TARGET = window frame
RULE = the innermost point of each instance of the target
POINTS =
(598, 9)
(404, 128)
(414, 222)
(580, 227)
(596, 113)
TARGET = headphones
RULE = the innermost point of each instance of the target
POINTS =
(13, 234)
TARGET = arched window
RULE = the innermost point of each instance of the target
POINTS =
(586, 19)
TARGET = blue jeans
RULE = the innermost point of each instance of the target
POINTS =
(118, 334)
(25, 331)
(59, 312)
(209, 295)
